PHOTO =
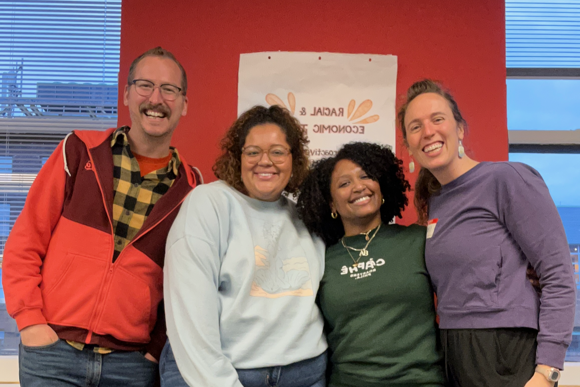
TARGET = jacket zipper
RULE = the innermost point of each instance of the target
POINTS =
(110, 272)
(94, 319)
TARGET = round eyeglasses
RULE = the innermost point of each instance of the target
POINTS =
(145, 88)
(277, 154)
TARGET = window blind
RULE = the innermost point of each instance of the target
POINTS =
(542, 34)
(59, 63)
(21, 157)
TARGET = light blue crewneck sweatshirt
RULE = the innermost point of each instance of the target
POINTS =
(240, 283)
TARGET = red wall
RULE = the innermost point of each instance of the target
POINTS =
(461, 43)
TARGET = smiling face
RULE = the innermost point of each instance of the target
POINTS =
(263, 179)
(433, 134)
(154, 118)
(356, 197)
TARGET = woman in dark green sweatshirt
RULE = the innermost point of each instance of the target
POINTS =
(375, 294)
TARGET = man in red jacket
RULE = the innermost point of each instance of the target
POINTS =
(83, 265)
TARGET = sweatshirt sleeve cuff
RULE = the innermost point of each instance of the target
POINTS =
(29, 317)
(551, 354)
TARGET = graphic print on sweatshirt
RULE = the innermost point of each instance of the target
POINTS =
(281, 269)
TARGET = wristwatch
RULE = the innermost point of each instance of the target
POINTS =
(552, 374)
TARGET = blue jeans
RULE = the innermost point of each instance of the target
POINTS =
(59, 364)
(306, 373)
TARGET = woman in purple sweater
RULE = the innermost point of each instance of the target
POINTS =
(485, 223)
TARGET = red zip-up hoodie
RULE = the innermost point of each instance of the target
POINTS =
(58, 260)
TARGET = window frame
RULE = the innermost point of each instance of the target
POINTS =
(548, 141)
(57, 104)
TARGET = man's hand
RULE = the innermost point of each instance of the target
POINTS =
(149, 357)
(38, 335)
(539, 380)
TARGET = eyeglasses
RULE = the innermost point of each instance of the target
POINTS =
(145, 88)
(277, 154)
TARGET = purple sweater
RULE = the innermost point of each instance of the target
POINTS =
(485, 226)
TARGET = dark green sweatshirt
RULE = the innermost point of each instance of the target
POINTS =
(379, 315)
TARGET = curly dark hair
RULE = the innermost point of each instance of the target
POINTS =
(377, 161)
(227, 167)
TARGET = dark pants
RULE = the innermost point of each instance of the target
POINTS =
(59, 364)
(503, 357)
(307, 373)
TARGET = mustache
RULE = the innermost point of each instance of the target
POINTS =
(160, 108)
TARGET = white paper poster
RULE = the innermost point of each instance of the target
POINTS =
(338, 98)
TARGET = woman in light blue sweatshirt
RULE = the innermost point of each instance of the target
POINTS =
(242, 271)
(486, 222)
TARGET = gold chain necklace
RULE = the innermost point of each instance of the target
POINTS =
(362, 252)
(366, 234)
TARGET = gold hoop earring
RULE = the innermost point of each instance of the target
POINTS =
(333, 215)
(383, 201)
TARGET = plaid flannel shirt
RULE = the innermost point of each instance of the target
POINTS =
(135, 196)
